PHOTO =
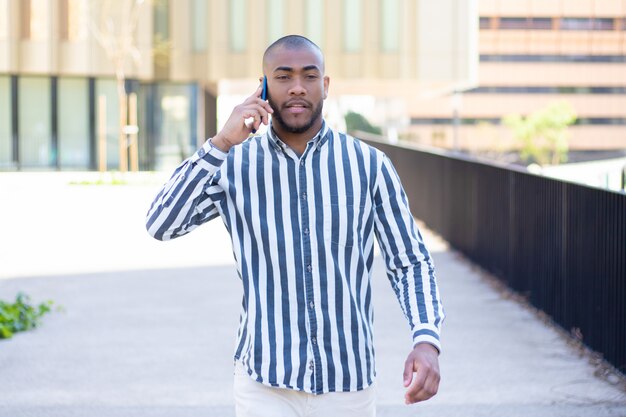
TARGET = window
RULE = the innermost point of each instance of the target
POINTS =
(199, 16)
(34, 121)
(523, 23)
(6, 147)
(314, 20)
(390, 25)
(553, 58)
(238, 25)
(352, 18)
(576, 23)
(35, 22)
(485, 22)
(73, 122)
(275, 11)
(161, 20)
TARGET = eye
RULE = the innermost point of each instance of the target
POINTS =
(282, 77)
(311, 77)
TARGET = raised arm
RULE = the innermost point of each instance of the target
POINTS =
(188, 199)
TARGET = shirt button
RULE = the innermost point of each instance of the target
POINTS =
(314, 340)
(311, 366)
(302, 162)
(304, 196)
(311, 305)
(182, 177)
(306, 230)
(309, 268)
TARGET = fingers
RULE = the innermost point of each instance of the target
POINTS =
(425, 384)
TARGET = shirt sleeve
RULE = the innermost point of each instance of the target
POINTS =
(187, 200)
(410, 268)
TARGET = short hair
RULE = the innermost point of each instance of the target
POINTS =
(292, 42)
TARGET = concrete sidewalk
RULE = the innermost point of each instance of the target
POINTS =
(149, 327)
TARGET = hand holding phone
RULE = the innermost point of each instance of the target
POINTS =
(250, 120)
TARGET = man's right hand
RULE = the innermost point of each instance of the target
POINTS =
(235, 130)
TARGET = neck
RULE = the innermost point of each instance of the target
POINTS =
(297, 141)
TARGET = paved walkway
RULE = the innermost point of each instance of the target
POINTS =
(149, 327)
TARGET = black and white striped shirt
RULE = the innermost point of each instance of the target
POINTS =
(302, 230)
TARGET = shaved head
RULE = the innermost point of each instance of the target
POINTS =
(292, 42)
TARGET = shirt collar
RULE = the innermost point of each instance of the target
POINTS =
(318, 140)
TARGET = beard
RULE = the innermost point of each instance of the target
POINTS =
(276, 117)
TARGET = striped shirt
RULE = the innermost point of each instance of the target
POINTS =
(302, 230)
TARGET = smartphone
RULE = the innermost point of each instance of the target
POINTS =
(250, 120)
(264, 91)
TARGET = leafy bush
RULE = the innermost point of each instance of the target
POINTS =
(356, 121)
(21, 315)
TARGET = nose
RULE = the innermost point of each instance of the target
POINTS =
(297, 89)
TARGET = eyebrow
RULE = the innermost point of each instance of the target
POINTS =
(290, 69)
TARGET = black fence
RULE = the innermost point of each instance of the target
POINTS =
(561, 245)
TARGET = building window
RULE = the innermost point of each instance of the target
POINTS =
(553, 58)
(315, 21)
(73, 14)
(576, 23)
(6, 140)
(238, 25)
(34, 122)
(390, 25)
(199, 16)
(275, 11)
(524, 23)
(485, 22)
(73, 122)
(352, 19)
(35, 22)
(161, 20)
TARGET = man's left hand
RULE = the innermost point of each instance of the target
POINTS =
(421, 373)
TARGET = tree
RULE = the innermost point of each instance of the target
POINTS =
(114, 25)
(357, 122)
(544, 133)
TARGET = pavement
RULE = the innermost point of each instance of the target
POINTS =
(148, 328)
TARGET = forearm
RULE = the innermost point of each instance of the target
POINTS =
(183, 203)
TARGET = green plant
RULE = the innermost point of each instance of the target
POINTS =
(21, 315)
(356, 121)
(543, 134)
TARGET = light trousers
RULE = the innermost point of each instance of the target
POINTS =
(253, 399)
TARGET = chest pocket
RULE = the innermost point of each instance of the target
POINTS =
(341, 224)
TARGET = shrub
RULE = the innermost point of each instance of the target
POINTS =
(21, 315)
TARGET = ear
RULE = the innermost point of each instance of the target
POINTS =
(261, 79)
(326, 84)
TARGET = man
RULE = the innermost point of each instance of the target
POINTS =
(302, 204)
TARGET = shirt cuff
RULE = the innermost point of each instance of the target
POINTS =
(209, 156)
(427, 336)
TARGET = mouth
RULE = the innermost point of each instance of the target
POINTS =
(297, 107)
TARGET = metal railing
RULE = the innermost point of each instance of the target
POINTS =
(561, 245)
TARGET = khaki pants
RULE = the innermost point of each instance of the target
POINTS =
(253, 399)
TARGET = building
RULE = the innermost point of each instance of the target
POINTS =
(533, 52)
(59, 101)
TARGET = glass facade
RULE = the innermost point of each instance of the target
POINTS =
(34, 122)
(175, 123)
(6, 147)
(199, 15)
(276, 10)
(352, 22)
(315, 21)
(238, 32)
(73, 123)
(390, 25)
(108, 90)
